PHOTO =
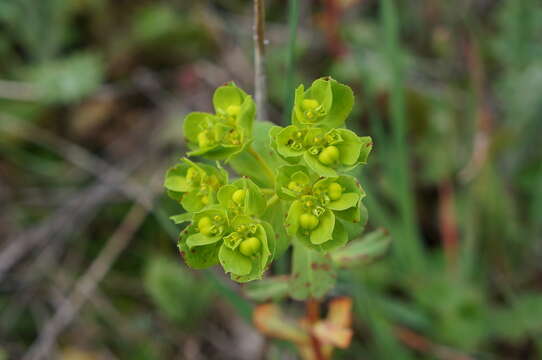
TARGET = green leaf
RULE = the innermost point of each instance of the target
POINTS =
(292, 220)
(364, 250)
(181, 218)
(313, 274)
(200, 240)
(193, 124)
(320, 91)
(317, 166)
(274, 215)
(200, 257)
(233, 262)
(272, 288)
(323, 232)
(346, 201)
(343, 101)
(225, 96)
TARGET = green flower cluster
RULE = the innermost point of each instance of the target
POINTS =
(223, 134)
(243, 226)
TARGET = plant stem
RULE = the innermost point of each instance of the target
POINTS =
(273, 200)
(293, 21)
(260, 86)
(268, 171)
(313, 315)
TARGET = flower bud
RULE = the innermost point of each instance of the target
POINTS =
(294, 186)
(239, 196)
(192, 175)
(310, 104)
(250, 246)
(308, 221)
(203, 140)
(329, 155)
(335, 191)
(205, 200)
(233, 110)
(205, 226)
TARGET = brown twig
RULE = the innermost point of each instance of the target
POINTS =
(260, 83)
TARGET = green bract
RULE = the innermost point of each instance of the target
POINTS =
(247, 249)
(324, 151)
(194, 185)
(325, 104)
(242, 197)
(291, 190)
(223, 134)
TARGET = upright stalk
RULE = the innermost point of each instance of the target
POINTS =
(293, 22)
(260, 85)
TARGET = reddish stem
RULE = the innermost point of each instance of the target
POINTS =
(447, 222)
(313, 315)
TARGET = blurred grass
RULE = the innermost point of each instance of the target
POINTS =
(450, 93)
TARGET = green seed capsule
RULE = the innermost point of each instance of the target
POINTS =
(203, 140)
(205, 225)
(335, 191)
(233, 110)
(250, 246)
(308, 221)
(239, 196)
(329, 155)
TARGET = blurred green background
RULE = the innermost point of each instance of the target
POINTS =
(92, 97)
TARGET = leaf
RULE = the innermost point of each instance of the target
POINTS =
(324, 230)
(270, 320)
(275, 215)
(199, 239)
(343, 101)
(336, 328)
(313, 274)
(200, 257)
(226, 96)
(233, 262)
(363, 251)
(346, 201)
(181, 218)
(271, 288)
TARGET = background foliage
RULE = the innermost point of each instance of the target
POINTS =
(92, 93)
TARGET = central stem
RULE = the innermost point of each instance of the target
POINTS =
(260, 87)
(268, 171)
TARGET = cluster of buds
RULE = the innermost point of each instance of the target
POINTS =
(230, 221)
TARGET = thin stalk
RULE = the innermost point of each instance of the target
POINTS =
(293, 22)
(410, 251)
(313, 315)
(268, 171)
(273, 200)
(260, 85)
